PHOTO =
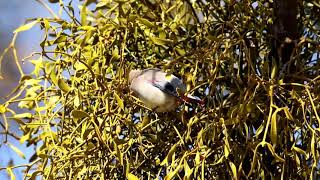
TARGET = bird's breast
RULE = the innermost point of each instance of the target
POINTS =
(153, 97)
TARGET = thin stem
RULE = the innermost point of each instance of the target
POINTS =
(48, 8)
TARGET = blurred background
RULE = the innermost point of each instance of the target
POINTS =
(14, 13)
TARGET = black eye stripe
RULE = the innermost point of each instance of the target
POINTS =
(167, 88)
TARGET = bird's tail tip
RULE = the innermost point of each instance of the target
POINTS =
(193, 99)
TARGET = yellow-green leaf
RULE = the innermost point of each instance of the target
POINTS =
(118, 153)
(260, 130)
(145, 121)
(169, 156)
(274, 69)
(119, 101)
(222, 158)
(274, 153)
(132, 177)
(38, 65)
(34, 175)
(288, 114)
(49, 67)
(313, 142)
(187, 170)
(197, 158)
(15, 149)
(11, 174)
(146, 22)
(83, 14)
(226, 151)
(233, 169)
(24, 138)
(86, 28)
(299, 150)
(160, 41)
(53, 77)
(26, 27)
(274, 127)
(3, 109)
(180, 51)
(63, 86)
(23, 115)
(76, 101)
(79, 66)
(170, 175)
(35, 124)
(79, 114)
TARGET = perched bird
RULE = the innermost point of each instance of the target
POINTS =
(159, 90)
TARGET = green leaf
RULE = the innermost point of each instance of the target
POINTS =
(25, 27)
(35, 124)
(299, 150)
(221, 159)
(172, 174)
(60, 38)
(23, 115)
(24, 138)
(274, 127)
(226, 151)
(287, 113)
(146, 22)
(233, 169)
(132, 177)
(35, 174)
(187, 170)
(38, 64)
(180, 51)
(63, 86)
(11, 174)
(160, 41)
(101, 4)
(274, 69)
(86, 28)
(170, 154)
(313, 150)
(115, 53)
(15, 149)
(274, 153)
(31, 82)
(76, 101)
(53, 77)
(197, 158)
(79, 66)
(259, 130)
(119, 154)
(49, 67)
(119, 101)
(79, 114)
(3, 109)
(83, 14)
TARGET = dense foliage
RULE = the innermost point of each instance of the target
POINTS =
(258, 121)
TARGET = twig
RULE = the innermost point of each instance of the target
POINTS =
(48, 8)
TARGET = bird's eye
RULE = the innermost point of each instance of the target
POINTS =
(169, 87)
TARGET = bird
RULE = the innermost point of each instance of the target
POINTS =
(158, 90)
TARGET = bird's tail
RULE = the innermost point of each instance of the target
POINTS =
(193, 99)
